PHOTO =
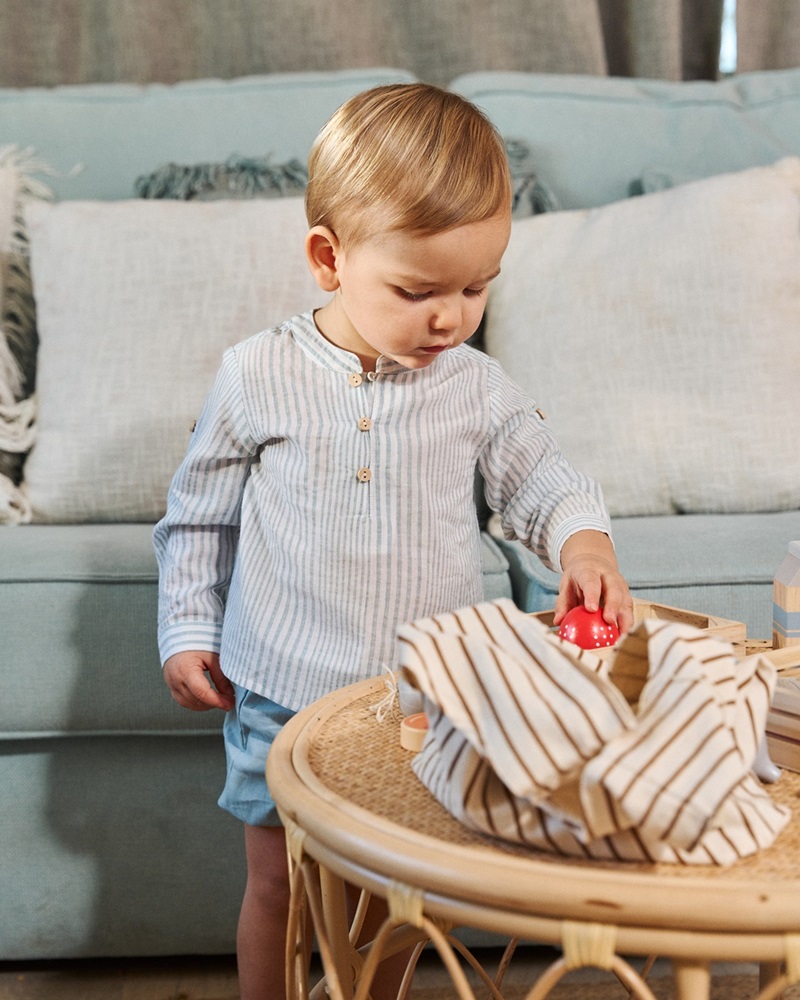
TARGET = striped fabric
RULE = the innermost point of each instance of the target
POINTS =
(319, 507)
(643, 757)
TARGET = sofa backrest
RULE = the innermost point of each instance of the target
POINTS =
(100, 138)
(595, 140)
(105, 273)
(592, 140)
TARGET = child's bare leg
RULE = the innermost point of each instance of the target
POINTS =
(261, 937)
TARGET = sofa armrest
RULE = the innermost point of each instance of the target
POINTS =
(533, 586)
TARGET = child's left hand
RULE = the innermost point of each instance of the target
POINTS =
(590, 576)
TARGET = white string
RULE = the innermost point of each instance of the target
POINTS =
(388, 706)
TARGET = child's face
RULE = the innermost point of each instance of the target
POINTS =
(410, 297)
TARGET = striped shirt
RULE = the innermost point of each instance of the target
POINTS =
(319, 507)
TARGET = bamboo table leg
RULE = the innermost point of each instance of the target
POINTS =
(334, 904)
(692, 980)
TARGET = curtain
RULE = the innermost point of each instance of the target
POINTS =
(665, 39)
(768, 34)
(49, 42)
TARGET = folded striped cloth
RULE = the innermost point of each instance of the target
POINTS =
(644, 756)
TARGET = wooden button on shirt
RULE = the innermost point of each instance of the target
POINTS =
(355, 379)
(364, 475)
(364, 424)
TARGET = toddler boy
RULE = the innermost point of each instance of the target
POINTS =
(327, 493)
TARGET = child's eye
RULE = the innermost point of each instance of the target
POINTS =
(475, 292)
(413, 296)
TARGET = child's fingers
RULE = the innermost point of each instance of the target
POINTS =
(617, 605)
(594, 590)
(566, 599)
(223, 686)
(200, 695)
(187, 676)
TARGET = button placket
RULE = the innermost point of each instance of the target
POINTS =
(363, 423)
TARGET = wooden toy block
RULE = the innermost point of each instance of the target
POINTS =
(786, 600)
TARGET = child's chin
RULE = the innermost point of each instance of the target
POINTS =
(419, 360)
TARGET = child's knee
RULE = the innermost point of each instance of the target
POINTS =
(267, 864)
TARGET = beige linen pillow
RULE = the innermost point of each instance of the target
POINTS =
(661, 335)
(136, 301)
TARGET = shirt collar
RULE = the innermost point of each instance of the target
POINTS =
(334, 358)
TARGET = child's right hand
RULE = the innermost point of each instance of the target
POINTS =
(187, 675)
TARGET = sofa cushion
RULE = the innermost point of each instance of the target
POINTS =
(136, 301)
(660, 336)
(79, 606)
(79, 609)
(101, 137)
(593, 137)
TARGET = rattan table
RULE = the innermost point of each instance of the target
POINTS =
(355, 812)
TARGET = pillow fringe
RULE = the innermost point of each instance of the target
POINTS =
(18, 337)
(14, 506)
(19, 343)
(238, 177)
(531, 196)
(18, 425)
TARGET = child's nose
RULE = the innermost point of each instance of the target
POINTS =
(447, 314)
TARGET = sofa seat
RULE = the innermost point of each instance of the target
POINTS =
(95, 756)
(80, 605)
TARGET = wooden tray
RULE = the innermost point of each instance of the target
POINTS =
(785, 660)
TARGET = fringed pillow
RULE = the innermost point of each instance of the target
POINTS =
(18, 337)
(257, 177)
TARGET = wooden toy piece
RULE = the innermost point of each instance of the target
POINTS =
(786, 600)
(412, 731)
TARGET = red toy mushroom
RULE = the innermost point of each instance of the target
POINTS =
(587, 629)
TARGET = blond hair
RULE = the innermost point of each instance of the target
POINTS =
(409, 157)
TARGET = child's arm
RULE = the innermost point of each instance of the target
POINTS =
(553, 509)
(195, 544)
(590, 576)
(189, 676)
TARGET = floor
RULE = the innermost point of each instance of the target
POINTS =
(192, 978)
(214, 978)
(205, 978)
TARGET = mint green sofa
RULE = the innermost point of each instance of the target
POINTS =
(111, 840)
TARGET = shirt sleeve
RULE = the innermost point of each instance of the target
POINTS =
(195, 542)
(541, 497)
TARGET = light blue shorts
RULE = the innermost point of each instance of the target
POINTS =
(249, 729)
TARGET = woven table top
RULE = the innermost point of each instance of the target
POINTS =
(361, 761)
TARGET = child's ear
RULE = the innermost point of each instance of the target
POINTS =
(322, 250)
